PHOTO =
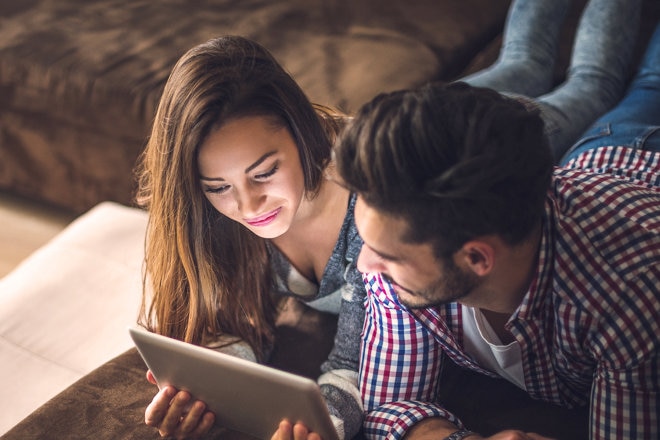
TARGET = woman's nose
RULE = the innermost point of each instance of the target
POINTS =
(250, 201)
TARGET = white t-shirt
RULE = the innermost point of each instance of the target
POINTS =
(485, 346)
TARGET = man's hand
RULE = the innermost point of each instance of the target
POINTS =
(176, 415)
(438, 428)
(287, 431)
(514, 435)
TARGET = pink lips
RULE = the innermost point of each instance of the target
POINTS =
(265, 219)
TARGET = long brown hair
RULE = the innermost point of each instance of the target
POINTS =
(206, 275)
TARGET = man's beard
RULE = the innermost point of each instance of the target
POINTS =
(451, 286)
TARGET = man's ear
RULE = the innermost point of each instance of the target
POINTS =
(478, 256)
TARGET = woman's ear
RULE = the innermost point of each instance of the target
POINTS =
(478, 256)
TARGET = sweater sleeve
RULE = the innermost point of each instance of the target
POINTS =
(338, 382)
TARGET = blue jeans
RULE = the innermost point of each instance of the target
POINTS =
(599, 66)
(635, 121)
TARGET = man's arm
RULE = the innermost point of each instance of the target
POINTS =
(399, 368)
(399, 375)
(625, 398)
(624, 404)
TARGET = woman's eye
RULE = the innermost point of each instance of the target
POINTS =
(268, 173)
(216, 190)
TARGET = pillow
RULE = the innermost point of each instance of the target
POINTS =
(65, 309)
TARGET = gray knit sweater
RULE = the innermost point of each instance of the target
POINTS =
(341, 291)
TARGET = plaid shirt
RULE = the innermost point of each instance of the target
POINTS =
(588, 328)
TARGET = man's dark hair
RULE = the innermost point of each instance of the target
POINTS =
(455, 162)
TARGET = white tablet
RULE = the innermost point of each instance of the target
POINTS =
(244, 396)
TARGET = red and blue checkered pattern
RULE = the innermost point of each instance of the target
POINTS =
(588, 328)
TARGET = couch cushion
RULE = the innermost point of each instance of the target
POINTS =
(65, 309)
(103, 63)
(80, 79)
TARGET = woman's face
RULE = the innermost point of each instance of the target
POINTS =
(250, 171)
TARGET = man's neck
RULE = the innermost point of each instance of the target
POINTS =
(515, 268)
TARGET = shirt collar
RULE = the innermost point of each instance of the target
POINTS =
(533, 302)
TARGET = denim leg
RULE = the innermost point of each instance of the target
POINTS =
(526, 61)
(642, 101)
(635, 121)
(597, 75)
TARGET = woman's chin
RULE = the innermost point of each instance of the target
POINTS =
(268, 232)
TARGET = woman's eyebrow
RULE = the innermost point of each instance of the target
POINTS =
(247, 170)
(259, 161)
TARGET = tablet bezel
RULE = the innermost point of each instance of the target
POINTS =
(258, 396)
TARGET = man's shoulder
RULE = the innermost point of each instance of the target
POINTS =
(605, 235)
(640, 167)
(600, 184)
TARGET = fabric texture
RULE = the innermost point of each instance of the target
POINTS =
(109, 402)
(341, 291)
(598, 70)
(634, 120)
(65, 310)
(588, 327)
(80, 80)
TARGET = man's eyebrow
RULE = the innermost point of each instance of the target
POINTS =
(247, 170)
(383, 255)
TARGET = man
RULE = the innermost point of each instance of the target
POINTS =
(480, 252)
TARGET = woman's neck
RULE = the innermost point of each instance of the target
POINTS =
(309, 242)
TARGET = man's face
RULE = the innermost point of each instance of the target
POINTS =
(417, 276)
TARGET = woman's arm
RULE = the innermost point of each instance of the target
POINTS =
(339, 381)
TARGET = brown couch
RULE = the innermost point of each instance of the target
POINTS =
(80, 79)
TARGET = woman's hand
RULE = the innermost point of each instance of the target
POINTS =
(176, 414)
(287, 431)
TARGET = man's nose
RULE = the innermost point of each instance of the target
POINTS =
(368, 261)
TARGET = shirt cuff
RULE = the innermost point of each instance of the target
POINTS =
(391, 421)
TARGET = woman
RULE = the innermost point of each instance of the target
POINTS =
(238, 182)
